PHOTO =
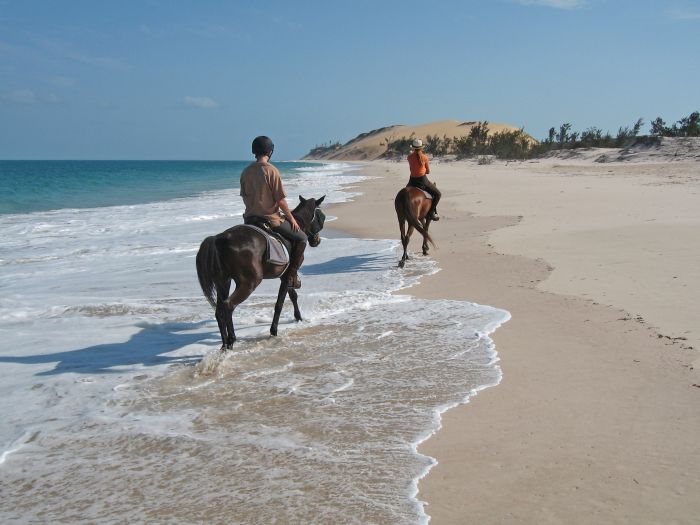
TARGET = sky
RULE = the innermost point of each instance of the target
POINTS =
(160, 79)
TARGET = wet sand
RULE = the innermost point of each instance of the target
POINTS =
(597, 417)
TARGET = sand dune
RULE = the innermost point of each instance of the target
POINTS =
(372, 144)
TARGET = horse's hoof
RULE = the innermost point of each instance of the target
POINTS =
(401, 263)
(298, 318)
(273, 332)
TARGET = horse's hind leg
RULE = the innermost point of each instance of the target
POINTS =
(404, 242)
(240, 294)
(425, 239)
(223, 316)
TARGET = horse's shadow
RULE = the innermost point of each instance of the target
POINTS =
(365, 262)
(146, 347)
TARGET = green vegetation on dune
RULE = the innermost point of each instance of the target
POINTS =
(479, 143)
(565, 138)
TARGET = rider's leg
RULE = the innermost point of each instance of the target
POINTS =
(435, 192)
(296, 257)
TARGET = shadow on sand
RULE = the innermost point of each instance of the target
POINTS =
(146, 347)
(366, 262)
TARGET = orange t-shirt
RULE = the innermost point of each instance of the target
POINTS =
(418, 169)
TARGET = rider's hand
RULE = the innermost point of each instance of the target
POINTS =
(294, 223)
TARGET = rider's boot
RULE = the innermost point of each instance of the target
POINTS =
(433, 215)
(295, 260)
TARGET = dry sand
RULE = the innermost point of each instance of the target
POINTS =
(597, 418)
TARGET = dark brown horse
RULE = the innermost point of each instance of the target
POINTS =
(412, 207)
(238, 254)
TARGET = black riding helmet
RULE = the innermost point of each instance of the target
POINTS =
(263, 145)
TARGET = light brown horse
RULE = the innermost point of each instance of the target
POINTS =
(412, 207)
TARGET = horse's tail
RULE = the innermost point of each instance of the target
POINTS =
(208, 268)
(402, 203)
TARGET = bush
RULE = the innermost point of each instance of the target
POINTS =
(463, 147)
(626, 136)
(479, 134)
(686, 127)
(438, 146)
(400, 146)
(510, 145)
(690, 125)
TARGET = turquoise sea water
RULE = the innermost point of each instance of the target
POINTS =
(28, 186)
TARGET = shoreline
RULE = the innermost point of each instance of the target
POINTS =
(596, 412)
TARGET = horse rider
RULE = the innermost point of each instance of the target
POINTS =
(264, 197)
(418, 164)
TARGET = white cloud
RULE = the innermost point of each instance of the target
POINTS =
(557, 4)
(27, 97)
(21, 96)
(201, 102)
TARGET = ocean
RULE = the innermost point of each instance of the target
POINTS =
(118, 405)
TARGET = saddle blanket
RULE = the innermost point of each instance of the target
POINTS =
(276, 252)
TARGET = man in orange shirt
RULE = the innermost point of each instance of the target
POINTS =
(418, 164)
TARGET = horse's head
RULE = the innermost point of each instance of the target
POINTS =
(310, 218)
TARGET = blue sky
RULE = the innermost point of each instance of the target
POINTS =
(198, 80)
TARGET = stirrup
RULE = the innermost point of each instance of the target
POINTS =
(434, 216)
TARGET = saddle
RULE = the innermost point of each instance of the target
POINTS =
(425, 192)
(278, 248)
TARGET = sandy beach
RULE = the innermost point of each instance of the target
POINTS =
(597, 417)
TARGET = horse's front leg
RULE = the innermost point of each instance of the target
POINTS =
(294, 296)
(281, 296)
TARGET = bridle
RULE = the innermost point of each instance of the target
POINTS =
(315, 227)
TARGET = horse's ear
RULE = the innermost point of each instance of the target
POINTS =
(319, 201)
(302, 199)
